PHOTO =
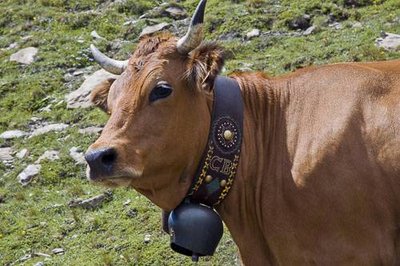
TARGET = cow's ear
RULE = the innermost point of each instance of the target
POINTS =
(99, 94)
(205, 63)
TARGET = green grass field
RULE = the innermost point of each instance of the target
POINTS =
(36, 218)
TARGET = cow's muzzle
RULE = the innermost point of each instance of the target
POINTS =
(101, 162)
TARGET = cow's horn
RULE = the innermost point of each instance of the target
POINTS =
(194, 35)
(111, 65)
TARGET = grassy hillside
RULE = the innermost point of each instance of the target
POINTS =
(36, 218)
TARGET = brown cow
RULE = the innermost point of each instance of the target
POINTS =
(318, 181)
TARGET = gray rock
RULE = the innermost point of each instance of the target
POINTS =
(95, 35)
(12, 46)
(309, 31)
(58, 251)
(81, 97)
(154, 29)
(91, 203)
(40, 254)
(388, 41)
(130, 22)
(5, 154)
(336, 25)
(176, 12)
(40, 263)
(12, 134)
(90, 130)
(77, 155)
(147, 238)
(22, 153)
(26, 176)
(25, 56)
(357, 25)
(300, 22)
(48, 128)
(48, 155)
(253, 33)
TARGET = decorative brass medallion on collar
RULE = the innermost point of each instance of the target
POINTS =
(220, 160)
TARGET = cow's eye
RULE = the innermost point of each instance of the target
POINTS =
(162, 90)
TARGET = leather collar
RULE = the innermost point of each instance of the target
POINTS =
(218, 166)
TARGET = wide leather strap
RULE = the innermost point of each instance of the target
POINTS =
(220, 160)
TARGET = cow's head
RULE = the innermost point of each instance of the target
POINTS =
(159, 110)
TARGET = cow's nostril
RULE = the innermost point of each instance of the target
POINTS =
(101, 161)
(109, 159)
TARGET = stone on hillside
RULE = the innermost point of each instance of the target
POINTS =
(91, 203)
(309, 31)
(77, 155)
(5, 154)
(48, 128)
(26, 176)
(388, 41)
(22, 153)
(176, 12)
(357, 25)
(25, 56)
(12, 134)
(95, 35)
(81, 97)
(48, 155)
(253, 33)
(147, 238)
(90, 130)
(58, 251)
(300, 22)
(40, 263)
(154, 29)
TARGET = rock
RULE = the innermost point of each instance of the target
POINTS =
(40, 263)
(301, 22)
(147, 238)
(25, 56)
(77, 155)
(95, 35)
(130, 22)
(132, 213)
(154, 29)
(12, 46)
(48, 128)
(90, 130)
(12, 134)
(388, 41)
(5, 154)
(91, 203)
(336, 25)
(80, 97)
(22, 153)
(357, 25)
(176, 12)
(48, 155)
(309, 31)
(40, 254)
(26, 176)
(58, 251)
(253, 33)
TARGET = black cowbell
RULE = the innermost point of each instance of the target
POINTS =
(195, 230)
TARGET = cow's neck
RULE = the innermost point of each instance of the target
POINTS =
(262, 154)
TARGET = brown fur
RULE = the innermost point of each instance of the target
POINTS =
(319, 177)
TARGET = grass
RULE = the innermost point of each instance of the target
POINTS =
(36, 218)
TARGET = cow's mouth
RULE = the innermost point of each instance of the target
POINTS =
(115, 178)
